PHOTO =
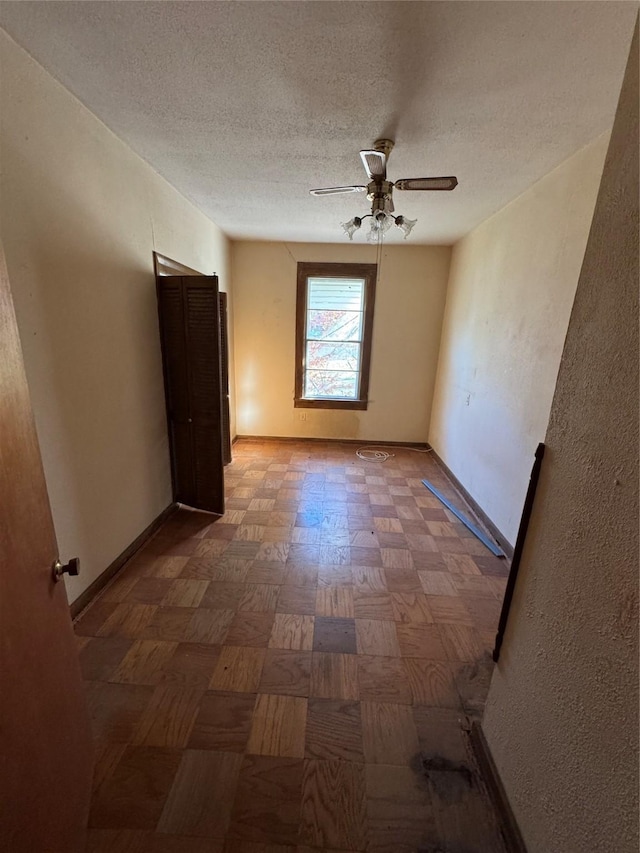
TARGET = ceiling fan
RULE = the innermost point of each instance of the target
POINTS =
(380, 192)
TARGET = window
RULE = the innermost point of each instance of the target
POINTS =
(333, 335)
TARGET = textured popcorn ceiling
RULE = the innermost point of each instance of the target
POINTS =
(245, 106)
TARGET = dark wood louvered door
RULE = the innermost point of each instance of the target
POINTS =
(224, 373)
(189, 316)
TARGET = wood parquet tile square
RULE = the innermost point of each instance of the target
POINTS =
(335, 576)
(171, 712)
(399, 811)
(149, 590)
(264, 572)
(301, 576)
(334, 730)
(259, 598)
(287, 672)
(334, 676)
(208, 626)
(366, 556)
(335, 601)
(168, 624)
(144, 662)
(403, 580)
(134, 796)
(334, 635)
(367, 578)
(223, 596)
(238, 669)
(292, 631)
(202, 794)
(223, 722)
(250, 629)
(115, 709)
(432, 683)
(383, 679)
(461, 642)
(270, 681)
(437, 583)
(207, 549)
(421, 641)
(127, 620)
(328, 820)
(268, 800)
(100, 656)
(411, 608)
(388, 733)
(372, 604)
(449, 609)
(193, 662)
(377, 637)
(278, 726)
(120, 588)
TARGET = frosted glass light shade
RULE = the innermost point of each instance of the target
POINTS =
(405, 225)
(352, 226)
(380, 224)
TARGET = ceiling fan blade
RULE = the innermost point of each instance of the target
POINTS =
(375, 163)
(449, 183)
(337, 190)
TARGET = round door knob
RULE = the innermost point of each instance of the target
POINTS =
(70, 568)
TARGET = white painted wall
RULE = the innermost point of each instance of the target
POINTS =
(410, 297)
(80, 217)
(511, 287)
(562, 712)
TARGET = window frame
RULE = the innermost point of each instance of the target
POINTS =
(307, 270)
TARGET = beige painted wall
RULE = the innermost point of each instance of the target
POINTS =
(562, 713)
(410, 298)
(80, 217)
(511, 287)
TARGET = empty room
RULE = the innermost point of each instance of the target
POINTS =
(319, 433)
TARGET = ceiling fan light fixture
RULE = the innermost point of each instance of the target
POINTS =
(374, 235)
(352, 226)
(380, 193)
(380, 224)
(405, 225)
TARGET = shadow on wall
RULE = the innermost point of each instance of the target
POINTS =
(84, 292)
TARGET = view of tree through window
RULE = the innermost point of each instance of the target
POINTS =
(334, 325)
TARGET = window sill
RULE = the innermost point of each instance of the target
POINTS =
(308, 403)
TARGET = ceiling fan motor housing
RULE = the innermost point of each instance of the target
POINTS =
(379, 194)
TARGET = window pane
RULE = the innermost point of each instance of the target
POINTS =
(335, 294)
(334, 383)
(333, 333)
(334, 325)
(332, 356)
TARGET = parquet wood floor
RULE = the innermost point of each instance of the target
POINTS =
(273, 681)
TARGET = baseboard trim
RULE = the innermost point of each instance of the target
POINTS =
(360, 442)
(85, 598)
(484, 518)
(511, 831)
